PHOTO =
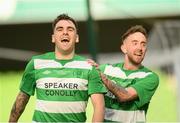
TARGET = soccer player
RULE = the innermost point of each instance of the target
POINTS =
(63, 81)
(131, 85)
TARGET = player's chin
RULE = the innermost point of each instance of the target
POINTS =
(138, 61)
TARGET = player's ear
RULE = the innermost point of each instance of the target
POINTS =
(77, 38)
(53, 40)
(123, 48)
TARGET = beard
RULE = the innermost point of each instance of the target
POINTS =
(135, 61)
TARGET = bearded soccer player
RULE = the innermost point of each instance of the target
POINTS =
(63, 81)
(131, 85)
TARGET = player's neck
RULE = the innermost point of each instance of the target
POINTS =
(64, 56)
(130, 66)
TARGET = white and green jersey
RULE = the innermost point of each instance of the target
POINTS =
(62, 87)
(144, 81)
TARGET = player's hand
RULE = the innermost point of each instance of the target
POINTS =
(93, 63)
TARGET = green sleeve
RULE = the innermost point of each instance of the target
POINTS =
(95, 84)
(102, 67)
(145, 88)
(28, 80)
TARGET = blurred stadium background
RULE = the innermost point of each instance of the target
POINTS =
(25, 30)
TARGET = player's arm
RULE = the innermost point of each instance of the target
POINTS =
(19, 106)
(123, 94)
(98, 105)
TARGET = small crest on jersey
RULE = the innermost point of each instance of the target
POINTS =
(78, 74)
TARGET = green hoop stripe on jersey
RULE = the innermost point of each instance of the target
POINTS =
(58, 117)
(61, 95)
(40, 64)
(125, 116)
(143, 80)
(61, 107)
(117, 72)
(62, 87)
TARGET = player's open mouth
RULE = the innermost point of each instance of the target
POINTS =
(65, 40)
(138, 54)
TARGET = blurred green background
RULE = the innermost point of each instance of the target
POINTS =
(162, 107)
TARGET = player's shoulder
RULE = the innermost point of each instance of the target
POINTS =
(81, 62)
(152, 73)
(37, 57)
(82, 59)
(111, 65)
(153, 76)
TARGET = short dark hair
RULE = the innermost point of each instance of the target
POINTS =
(64, 17)
(134, 29)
